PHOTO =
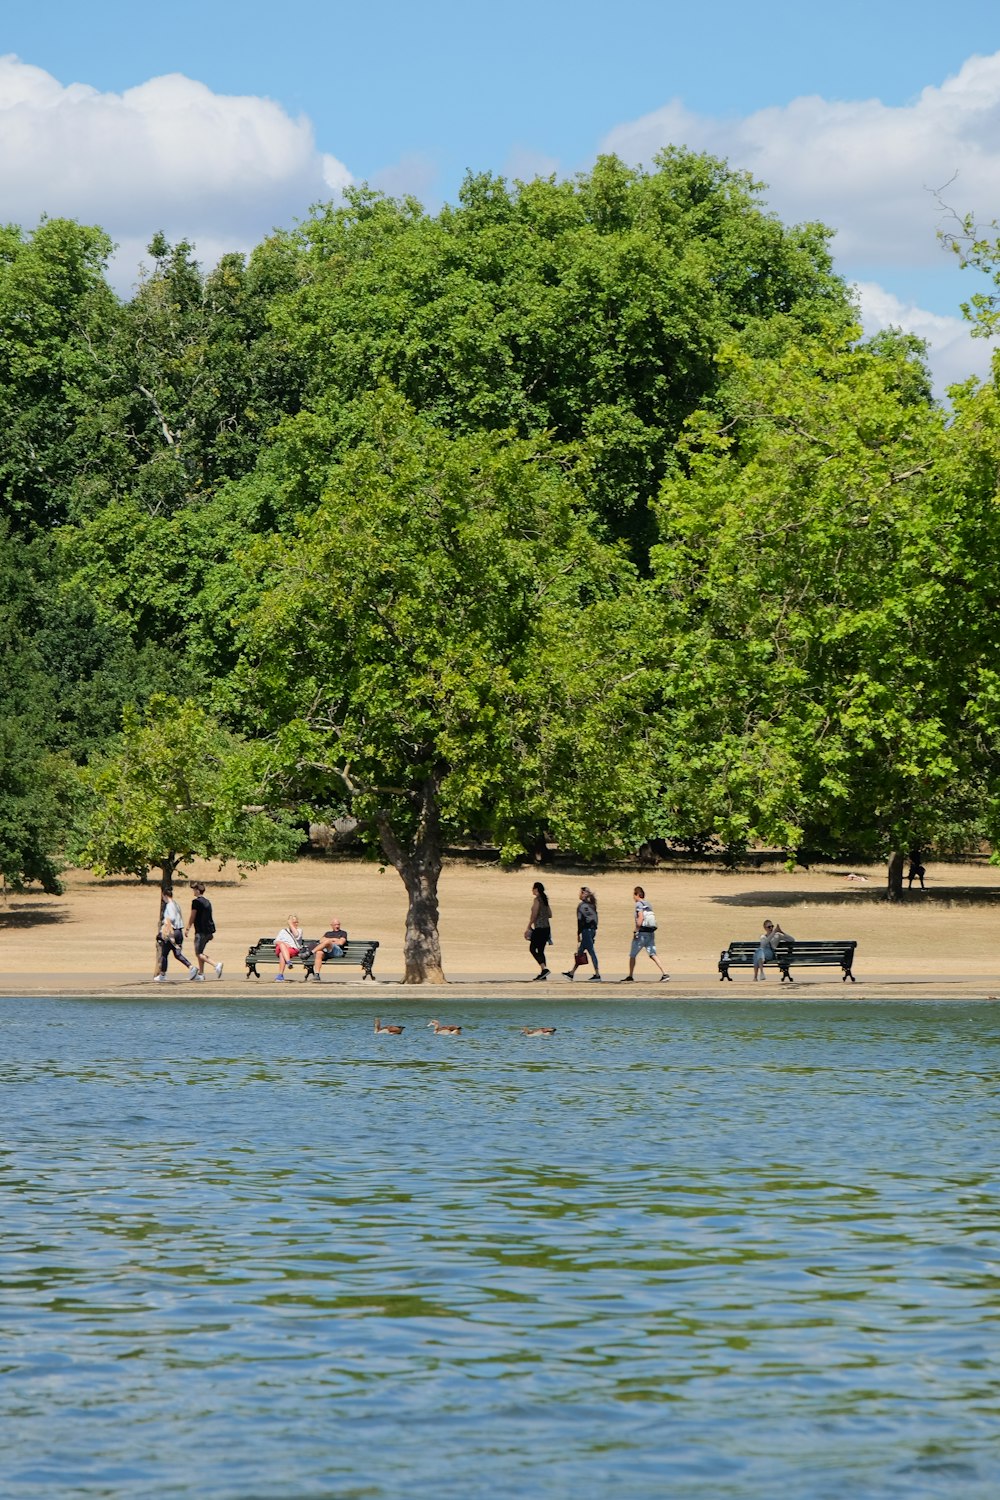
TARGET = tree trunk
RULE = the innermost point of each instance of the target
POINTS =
(896, 875)
(419, 867)
(422, 944)
(167, 868)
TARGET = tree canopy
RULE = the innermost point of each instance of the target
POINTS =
(577, 510)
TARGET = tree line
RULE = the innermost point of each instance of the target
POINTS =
(576, 511)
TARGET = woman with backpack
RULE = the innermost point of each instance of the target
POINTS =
(644, 936)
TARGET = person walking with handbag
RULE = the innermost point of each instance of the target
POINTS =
(586, 930)
(539, 929)
(170, 937)
(644, 936)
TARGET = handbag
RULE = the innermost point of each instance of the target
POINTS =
(581, 958)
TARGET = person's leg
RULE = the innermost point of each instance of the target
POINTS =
(588, 947)
(536, 948)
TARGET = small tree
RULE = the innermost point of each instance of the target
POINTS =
(179, 786)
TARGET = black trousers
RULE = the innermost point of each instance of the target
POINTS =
(538, 944)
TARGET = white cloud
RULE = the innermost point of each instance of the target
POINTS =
(220, 170)
(955, 354)
(865, 168)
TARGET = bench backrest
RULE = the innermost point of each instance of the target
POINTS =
(814, 949)
(353, 951)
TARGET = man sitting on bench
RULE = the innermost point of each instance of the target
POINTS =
(331, 945)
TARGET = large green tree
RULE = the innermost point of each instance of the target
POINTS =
(827, 564)
(446, 648)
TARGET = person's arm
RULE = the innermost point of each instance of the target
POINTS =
(190, 921)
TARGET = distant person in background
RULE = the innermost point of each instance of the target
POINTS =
(204, 929)
(170, 937)
(331, 945)
(586, 931)
(288, 945)
(644, 936)
(539, 929)
(917, 870)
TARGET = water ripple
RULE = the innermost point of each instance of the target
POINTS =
(710, 1250)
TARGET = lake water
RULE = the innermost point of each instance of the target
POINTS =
(708, 1249)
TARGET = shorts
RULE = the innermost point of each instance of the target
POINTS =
(201, 941)
(643, 940)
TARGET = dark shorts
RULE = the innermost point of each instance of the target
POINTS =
(202, 940)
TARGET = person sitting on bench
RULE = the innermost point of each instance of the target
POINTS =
(331, 945)
(288, 944)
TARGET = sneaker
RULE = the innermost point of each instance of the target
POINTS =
(569, 973)
(199, 977)
(663, 977)
(542, 975)
(194, 973)
(218, 971)
(159, 978)
(546, 973)
(318, 978)
(629, 979)
(594, 979)
(279, 978)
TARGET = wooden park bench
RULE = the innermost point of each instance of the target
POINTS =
(359, 952)
(822, 952)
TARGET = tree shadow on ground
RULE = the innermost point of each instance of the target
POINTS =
(32, 916)
(181, 882)
(946, 895)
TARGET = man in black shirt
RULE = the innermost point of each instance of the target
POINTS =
(331, 945)
(204, 929)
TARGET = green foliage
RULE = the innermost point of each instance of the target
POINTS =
(192, 377)
(825, 561)
(180, 786)
(590, 310)
(55, 311)
(448, 617)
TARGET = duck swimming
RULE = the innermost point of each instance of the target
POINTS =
(440, 1030)
(538, 1031)
(381, 1030)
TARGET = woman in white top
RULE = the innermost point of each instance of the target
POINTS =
(170, 937)
(287, 945)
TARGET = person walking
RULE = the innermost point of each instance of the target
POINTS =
(204, 929)
(539, 929)
(586, 930)
(917, 870)
(170, 936)
(643, 937)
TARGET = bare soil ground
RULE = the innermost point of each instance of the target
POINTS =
(105, 928)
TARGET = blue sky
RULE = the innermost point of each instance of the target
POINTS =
(411, 95)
